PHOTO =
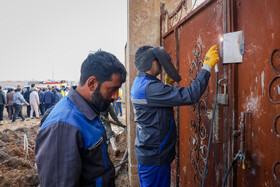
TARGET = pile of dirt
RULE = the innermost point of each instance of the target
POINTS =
(17, 167)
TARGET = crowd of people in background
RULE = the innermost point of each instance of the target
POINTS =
(37, 101)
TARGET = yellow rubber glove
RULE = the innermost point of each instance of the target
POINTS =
(168, 80)
(212, 56)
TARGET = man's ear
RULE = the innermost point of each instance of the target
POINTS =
(92, 83)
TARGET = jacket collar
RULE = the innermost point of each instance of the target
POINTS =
(143, 74)
(81, 104)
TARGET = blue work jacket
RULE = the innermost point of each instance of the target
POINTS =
(71, 148)
(49, 97)
(57, 97)
(153, 104)
(41, 97)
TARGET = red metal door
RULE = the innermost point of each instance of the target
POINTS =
(259, 91)
(188, 42)
(253, 87)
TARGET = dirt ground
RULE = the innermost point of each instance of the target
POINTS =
(17, 166)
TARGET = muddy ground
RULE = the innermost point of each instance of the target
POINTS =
(17, 166)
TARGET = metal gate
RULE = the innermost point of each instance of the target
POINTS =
(250, 119)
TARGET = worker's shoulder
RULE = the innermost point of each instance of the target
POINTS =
(154, 85)
(64, 112)
(67, 118)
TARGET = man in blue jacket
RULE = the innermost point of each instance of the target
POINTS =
(2, 103)
(58, 96)
(71, 148)
(26, 96)
(42, 100)
(153, 104)
(49, 99)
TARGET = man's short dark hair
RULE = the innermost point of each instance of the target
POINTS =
(28, 88)
(32, 85)
(102, 65)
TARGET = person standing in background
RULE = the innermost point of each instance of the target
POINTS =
(7, 108)
(2, 103)
(119, 104)
(10, 103)
(49, 99)
(26, 96)
(32, 87)
(57, 96)
(41, 99)
(18, 102)
(53, 89)
(18, 87)
(34, 103)
(64, 91)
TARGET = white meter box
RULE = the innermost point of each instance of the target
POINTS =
(233, 47)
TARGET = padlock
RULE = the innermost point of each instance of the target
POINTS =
(222, 98)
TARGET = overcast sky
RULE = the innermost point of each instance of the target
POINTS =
(38, 37)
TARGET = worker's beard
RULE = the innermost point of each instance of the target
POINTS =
(98, 101)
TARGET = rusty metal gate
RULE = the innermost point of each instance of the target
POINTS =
(250, 119)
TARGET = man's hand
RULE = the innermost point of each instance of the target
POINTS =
(168, 80)
(212, 57)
